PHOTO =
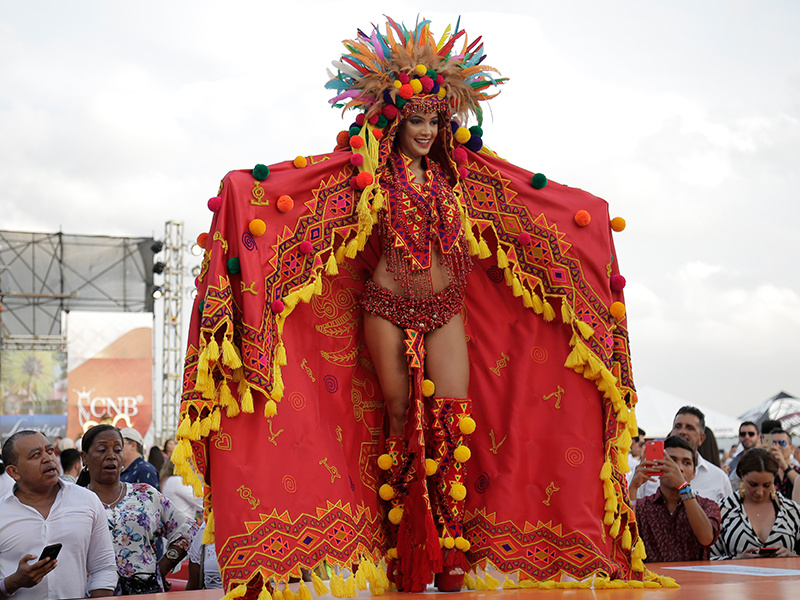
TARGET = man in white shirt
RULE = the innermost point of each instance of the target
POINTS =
(42, 510)
(709, 481)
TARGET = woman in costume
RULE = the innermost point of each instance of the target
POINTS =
(137, 515)
(310, 261)
(758, 516)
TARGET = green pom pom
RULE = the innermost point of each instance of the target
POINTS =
(200, 306)
(400, 102)
(476, 130)
(261, 172)
(381, 122)
(233, 265)
(354, 130)
(538, 181)
(431, 73)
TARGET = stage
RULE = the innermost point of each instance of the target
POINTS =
(767, 579)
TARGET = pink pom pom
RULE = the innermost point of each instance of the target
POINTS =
(277, 306)
(403, 77)
(390, 112)
(440, 79)
(306, 247)
(460, 156)
(617, 282)
(214, 204)
(524, 238)
(357, 160)
(353, 183)
(462, 172)
(360, 119)
(427, 84)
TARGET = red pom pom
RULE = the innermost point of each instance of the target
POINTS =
(406, 91)
(582, 218)
(353, 183)
(460, 156)
(373, 119)
(306, 247)
(439, 79)
(427, 84)
(356, 141)
(377, 133)
(357, 160)
(360, 119)
(403, 77)
(214, 203)
(524, 238)
(363, 179)
(462, 172)
(277, 306)
(202, 239)
(342, 138)
(390, 112)
(617, 282)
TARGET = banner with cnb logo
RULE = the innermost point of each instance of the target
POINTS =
(110, 365)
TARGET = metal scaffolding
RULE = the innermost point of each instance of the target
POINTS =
(172, 331)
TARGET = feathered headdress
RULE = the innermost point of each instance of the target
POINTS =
(382, 72)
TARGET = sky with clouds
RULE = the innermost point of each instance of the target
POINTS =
(116, 117)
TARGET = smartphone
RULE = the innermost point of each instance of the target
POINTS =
(654, 450)
(50, 552)
(766, 440)
(767, 551)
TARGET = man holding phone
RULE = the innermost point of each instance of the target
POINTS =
(39, 514)
(675, 524)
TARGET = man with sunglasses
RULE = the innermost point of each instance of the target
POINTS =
(782, 451)
(748, 438)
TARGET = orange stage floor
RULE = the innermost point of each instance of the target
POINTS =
(760, 579)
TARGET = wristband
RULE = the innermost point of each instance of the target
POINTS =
(686, 493)
(3, 588)
(684, 485)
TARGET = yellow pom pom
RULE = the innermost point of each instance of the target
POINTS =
(416, 85)
(391, 553)
(270, 408)
(431, 466)
(618, 224)
(397, 83)
(462, 544)
(442, 92)
(449, 543)
(428, 388)
(458, 492)
(421, 69)
(617, 310)
(385, 462)
(462, 454)
(396, 515)
(463, 135)
(466, 425)
(300, 162)
(257, 227)
(386, 492)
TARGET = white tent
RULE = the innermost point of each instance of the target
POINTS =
(782, 407)
(656, 410)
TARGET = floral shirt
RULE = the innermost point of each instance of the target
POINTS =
(143, 515)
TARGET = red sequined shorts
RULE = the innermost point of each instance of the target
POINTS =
(421, 314)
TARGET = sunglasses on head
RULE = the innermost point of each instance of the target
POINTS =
(747, 433)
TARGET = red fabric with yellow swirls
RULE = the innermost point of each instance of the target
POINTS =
(301, 487)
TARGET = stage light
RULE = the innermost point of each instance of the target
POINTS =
(158, 268)
(158, 291)
(196, 271)
(196, 250)
(157, 246)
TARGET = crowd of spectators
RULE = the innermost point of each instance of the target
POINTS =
(97, 519)
(126, 522)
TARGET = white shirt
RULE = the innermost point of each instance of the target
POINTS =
(709, 482)
(76, 520)
(211, 576)
(6, 484)
(182, 497)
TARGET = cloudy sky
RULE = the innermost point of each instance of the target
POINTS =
(116, 117)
